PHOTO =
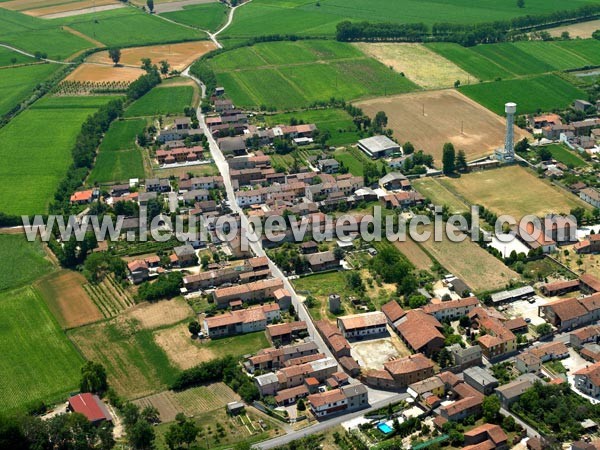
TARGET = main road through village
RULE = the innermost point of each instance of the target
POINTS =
(377, 398)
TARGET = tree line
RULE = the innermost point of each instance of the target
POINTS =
(464, 34)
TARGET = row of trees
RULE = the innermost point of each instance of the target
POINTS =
(465, 34)
(453, 162)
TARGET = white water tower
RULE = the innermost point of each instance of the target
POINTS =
(507, 153)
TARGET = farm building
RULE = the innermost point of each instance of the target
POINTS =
(378, 146)
(91, 407)
(360, 325)
(241, 321)
(512, 295)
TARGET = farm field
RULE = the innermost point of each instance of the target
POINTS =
(119, 158)
(565, 156)
(563, 55)
(415, 254)
(445, 112)
(209, 16)
(288, 75)
(23, 261)
(7, 56)
(439, 195)
(314, 19)
(18, 83)
(191, 402)
(418, 63)
(468, 261)
(335, 121)
(108, 296)
(484, 188)
(179, 55)
(67, 300)
(583, 30)
(128, 27)
(135, 365)
(33, 34)
(104, 74)
(38, 361)
(161, 314)
(43, 7)
(162, 101)
(30, 177)
(543, 92)
(183, 352)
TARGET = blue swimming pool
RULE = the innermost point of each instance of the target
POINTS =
(385, 428)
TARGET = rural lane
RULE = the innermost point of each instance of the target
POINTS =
(22, 52)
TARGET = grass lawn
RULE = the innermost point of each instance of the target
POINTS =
(439, 195)
(349, 159)
(23, 261)
(135, 364)
(565, 156)
(45, 135)
(501, 190)
(238, 346)
(320, 286)
(335, 121)
(119, 158)
(289, 75)
(127, 27)
(18, 83)
(544, 93)
(38, 361)
(321, 18)
(208, 16)
(162, 101)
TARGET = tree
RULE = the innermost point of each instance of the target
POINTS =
(194, 327)
(141, 435)
(13, 60)
(509, 424)
(164, 67)
(457, 84)
(578, 212)
(521, 3)
(147, 64)
(416, 301)
(150, 414)
(301, 406)
(448, 158)
(408, 148)
(380, 121)
(491, 408)
(150, 5)
(543, 329)
(522, 146)
(114, 53)
(461, 161)
(544, 154)
(338, 253)
(93, 378)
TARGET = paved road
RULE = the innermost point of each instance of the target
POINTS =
(321, 426)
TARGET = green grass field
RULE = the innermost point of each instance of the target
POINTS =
(7, 56)
(563, 54)
(23, 261)
(135, 364)
(33, 34)
(287, 75)
(44, 135)
(543, 93)
(336, 121)
(320, 18)
(209, 16)
(38, 361)
(566, 156)
(119, 158)
(238, 346)
(161, 101)
(17, 83)
(128, 27)
(320, 286)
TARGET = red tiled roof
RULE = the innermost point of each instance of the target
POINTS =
(90, 406)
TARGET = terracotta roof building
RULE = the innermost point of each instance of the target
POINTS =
(91, 407)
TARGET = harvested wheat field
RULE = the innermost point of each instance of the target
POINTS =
(177, 344)
(64, 294)
(102, 74)
(191, 402)
(165, 312)
(44, 7)
(582, 30)
(419, 64)
(414, 254)
(429, 119)
(471, 263)
(179, 55)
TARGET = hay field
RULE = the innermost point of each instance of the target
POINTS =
(445, 111)
(67, 300)
(419, 64)
(439, 194)
(166, 312)
(583, 30)
(179, 55)
(103, 74)
(512, 190)
(43, 7)
(468, 261)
